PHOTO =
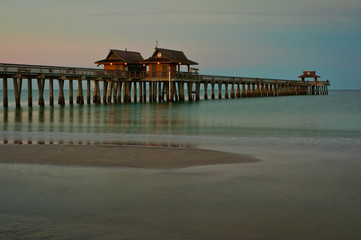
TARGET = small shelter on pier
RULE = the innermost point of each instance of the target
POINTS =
(123, 61)
(164, 61)
(309, 74)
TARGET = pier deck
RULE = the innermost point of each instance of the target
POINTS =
(117, 86)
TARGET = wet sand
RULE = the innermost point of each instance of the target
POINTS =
(117, 156)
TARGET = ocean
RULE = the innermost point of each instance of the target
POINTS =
(306, 185)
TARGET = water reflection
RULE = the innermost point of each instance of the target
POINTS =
(101, 124)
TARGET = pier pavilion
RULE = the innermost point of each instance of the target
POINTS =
(309, 74)
(121, 60)
(165, 61)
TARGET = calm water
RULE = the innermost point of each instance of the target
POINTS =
(307, 185)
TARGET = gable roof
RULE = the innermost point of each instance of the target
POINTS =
(122, 56)
(309, 74)
(169, 56)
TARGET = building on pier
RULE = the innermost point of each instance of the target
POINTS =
(122, 61)
(163, 61)
(309, 74)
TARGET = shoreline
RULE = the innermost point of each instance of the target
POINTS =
(118, 156)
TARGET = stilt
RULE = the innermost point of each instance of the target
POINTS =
(135, 92)
(17, 91)
(105, 91)
(119, 97)
(233, 95)
(248, 90)
(51, 92)
(140, 92)
(212, 87)
(30, 93)
(198, 88)
(150, 92)
(238, 93)
(61, 99)
(154, 91)
(71, 92)
(88, 94)
(41, 82)
(189, 89)
(110, 91)
(219, 90)
(115, 92)
(226, 92)
(144, 92)
(160, 91)
(205, 86)
(5, 93)
(258, 92)
(79, 96)
(243, 90)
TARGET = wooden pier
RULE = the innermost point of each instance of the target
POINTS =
(125, 86)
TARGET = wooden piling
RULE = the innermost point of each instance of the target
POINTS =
(226, 92)
(30, 93)
(238, 92)
(233, 95)
(144, 92)
(160, 92)
(243, 90)
(79, 96)
(61, 99)
(205, 86)
(110, 91)
(140, 92)
(198, 88)
(88, 94)
(17, 90)
(135, 97)
(51, 92)
(105, 91)
(71, 91)
(119, 97)
(5, 92)
(155, 92)
(212, 87)
(115, 92)
(41, 82)
(219, 90)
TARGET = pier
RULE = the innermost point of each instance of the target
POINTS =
(121, 86)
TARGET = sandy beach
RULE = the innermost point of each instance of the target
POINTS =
(118, 156)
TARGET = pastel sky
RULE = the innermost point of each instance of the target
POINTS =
(255, 38)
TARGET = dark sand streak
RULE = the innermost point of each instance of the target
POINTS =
(118, 156)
